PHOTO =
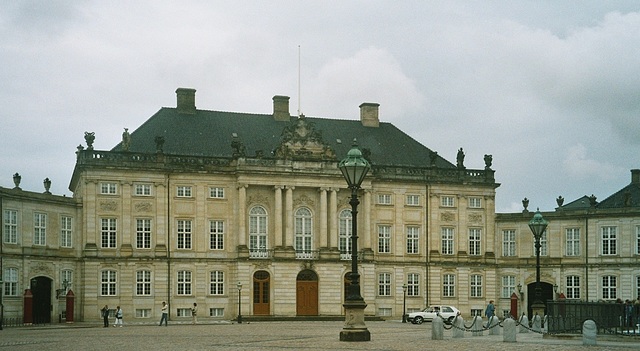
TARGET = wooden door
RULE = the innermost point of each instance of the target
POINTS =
(261, 293)
(307, 293)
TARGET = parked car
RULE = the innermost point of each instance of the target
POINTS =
(448, 313)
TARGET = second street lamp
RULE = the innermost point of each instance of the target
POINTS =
(354, 168)
(239, 303)
(538, 225)
(404, 303)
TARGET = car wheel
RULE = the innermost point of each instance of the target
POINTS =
(418, 320)
(450, 320)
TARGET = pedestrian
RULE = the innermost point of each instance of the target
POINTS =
(490, 312)
(105, 315)
(164, 310)
(118, 317)
(194, 313)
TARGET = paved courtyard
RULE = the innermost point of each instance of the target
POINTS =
(389, 335)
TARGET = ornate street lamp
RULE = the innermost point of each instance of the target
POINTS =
(354, 168)
(239, 303)
(404, 303)
(538, 225)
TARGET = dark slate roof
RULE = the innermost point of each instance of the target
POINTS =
(579, 204)
(629, 196)
(209, 134)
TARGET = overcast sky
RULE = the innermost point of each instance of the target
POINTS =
(550, 88)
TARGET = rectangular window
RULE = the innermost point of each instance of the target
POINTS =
(509, 243)
(638, 287)
(476, 285)
(184, 234)
(10, 227)
(475, 238)
(184, 191)
(108, 283)
(39, 229)
(143, 233)
(413, 200)
(216, 235)
(413, 284)
(384, 239)
(384, 284)
(216, 286)
(475, 202)
(573, 287)
(384, 312)
(573, 241)
(108, 232)
(413, 240)
(183, 312)
(447, 241)
(609, 287)
(10, 282)
(143, 283)
(448, 285)
(184, 282)
(609, 240)
(216, 312)
(543, 244)
(216, 193)
(384, 199)
(143, 189)
(447, 201)
(476, 312)
(66, 231)
(638, 240)
(108, 188)
(508, 286)
(66, 277)
(143, 312)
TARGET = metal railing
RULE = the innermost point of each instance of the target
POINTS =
(610, 318)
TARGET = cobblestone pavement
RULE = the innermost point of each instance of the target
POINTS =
(389, 335)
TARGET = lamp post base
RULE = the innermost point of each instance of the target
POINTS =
(354, 327)
(537, 307)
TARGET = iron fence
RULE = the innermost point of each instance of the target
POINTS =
(610, 318)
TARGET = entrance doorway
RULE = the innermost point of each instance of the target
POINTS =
(261, 293)
(41, 290)
(307, 293)
(546, 294)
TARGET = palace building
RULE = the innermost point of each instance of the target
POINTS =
(238, 210)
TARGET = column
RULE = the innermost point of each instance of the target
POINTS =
(366, 224)
(333, 218)
(289, 216)
(242, 222)
(277, 225)
(323, 217)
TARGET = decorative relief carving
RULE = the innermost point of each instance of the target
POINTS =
(475, 218)
(448, 217)
(301, 140)
(263, 265)
(143, 207)
(257, 200)
(344, 202)
(306, 265)
(41, 268)
(303, 200)
(108, 205)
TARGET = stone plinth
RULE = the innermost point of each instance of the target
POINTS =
(354, 327)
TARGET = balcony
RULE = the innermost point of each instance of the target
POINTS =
(260, 253)
(307, 254)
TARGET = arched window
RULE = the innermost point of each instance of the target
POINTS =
(258, 231)
(344, 234)
(303, 232)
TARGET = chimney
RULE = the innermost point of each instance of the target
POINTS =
(369, 114)
(281, 108)
(186, 101)
(635, 176)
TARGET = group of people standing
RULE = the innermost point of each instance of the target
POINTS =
(105, 311)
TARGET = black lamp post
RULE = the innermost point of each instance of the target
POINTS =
(404, 303)
(354, 168)
(239, 303)
(538, 225)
